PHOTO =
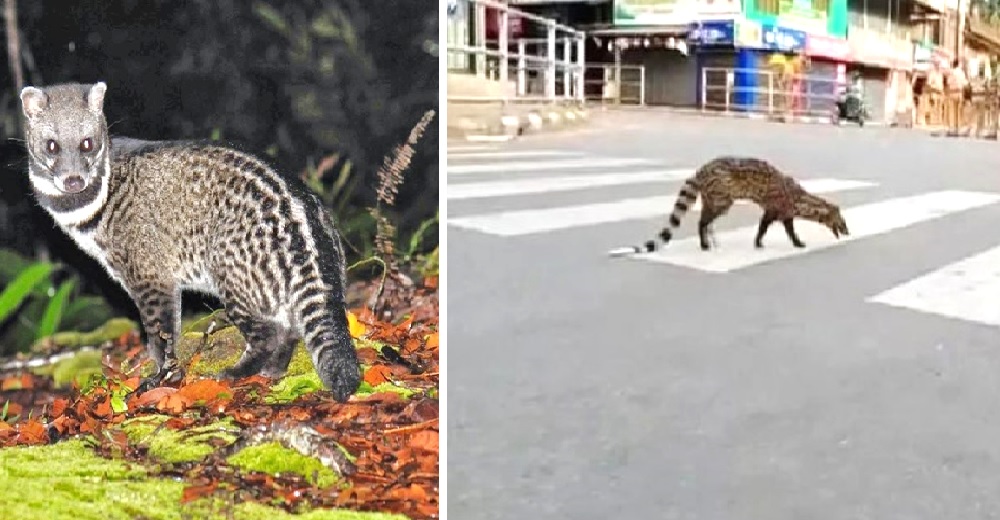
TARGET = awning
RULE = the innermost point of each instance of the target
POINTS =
(614, 31)
(988, 35)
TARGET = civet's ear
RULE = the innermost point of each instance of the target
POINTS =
(95, 98)
(33, 101)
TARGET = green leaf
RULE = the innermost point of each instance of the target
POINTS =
(118, 403)
(54, 311)
(271, 16)
(418, 236)
(15, 293)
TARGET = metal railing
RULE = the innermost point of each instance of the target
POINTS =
(721, 90)
(546, 69)
(609, 83)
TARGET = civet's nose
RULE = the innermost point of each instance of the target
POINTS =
(73, 184)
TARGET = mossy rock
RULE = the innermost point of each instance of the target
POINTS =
(169, 445)
(67, 481)
(275, 459)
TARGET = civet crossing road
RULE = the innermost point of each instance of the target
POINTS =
(857, 378)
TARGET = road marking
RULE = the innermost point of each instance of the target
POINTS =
(526, 222)
(965, 290)
(521, 166)
(478, 190)
(526, 153)
(736, 249)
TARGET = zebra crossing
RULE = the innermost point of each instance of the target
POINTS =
(967, 289)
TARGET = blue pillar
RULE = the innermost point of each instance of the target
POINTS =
(745, 79)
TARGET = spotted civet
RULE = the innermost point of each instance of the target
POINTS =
(167, 216)
(723, 180)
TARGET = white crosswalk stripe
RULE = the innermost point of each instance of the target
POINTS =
(526, 222)
(554, 192)
(736, 250)
(521, 166)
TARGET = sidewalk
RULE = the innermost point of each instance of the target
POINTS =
(494, 122)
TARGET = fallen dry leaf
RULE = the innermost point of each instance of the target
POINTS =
(356, 328)
(377, 375)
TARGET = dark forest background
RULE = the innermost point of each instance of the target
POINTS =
(325, 89)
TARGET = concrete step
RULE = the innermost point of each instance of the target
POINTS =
(514, 119)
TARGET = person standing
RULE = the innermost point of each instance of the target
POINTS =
(956, 87)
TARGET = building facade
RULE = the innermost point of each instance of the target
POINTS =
(731, 48)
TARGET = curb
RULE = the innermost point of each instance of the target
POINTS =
(512, 126)
(805, 119)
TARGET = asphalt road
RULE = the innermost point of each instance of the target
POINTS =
(713, 385)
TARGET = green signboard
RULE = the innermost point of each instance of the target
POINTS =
(672, 12)
(827, 18)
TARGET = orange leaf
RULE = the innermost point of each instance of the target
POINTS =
(195, 492)
(432, 341)
(411, 345)
(59, 407)
(357, 328)
(404, 326)
(103, 409)
(426, 440)
(132, 382)
(151, 397)
(377, 375)
(206, 390)
(431, 282)
(22, 381)
(174, 403)
(65, 424)
(13, 409)
(413, 492)
(32, 432)
(5, 427)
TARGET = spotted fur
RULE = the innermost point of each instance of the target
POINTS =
(724, 180)
(169, 216)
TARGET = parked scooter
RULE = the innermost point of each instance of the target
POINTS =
(851, 105)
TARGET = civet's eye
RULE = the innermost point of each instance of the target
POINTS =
(86, 145)
(52, 147)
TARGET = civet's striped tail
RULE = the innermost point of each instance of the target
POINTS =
(685, 199)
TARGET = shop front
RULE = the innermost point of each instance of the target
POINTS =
(827, 73)
(738, 54)
(654, 34)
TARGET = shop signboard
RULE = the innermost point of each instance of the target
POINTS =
(671, 12)
(803, 15)
(713, 32)
(836, 49)
(782, 39)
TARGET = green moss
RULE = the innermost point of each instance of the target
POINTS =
(291, 387)
(273, 458)
(222, 349)
(301, 363)
(367, 389)
(170, 445)
(200, 323)
(67, 481)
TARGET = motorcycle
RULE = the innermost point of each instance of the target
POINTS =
(851, 107)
